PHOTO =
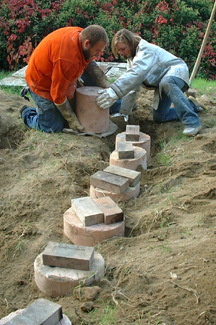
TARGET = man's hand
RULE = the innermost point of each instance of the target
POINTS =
(107, 98)
(74, 123)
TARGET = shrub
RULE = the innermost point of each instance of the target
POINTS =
(176, 25)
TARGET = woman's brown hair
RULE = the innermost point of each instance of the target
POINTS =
(127, 37)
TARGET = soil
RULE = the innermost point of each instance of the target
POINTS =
(163, 271)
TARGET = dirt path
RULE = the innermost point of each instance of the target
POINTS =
(163, 271)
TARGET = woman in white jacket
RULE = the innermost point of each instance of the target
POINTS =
(152, 67)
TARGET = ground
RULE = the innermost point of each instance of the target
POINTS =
(163, 271)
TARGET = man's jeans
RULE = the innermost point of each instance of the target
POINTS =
(171, 89)
(47, 118)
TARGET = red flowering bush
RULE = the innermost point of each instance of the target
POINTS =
(176, 25)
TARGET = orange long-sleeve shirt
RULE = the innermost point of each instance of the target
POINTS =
(56, 64)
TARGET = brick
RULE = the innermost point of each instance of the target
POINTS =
(125, 150)
(109, 182)
(87, 211)
(112, 212)
(40, 312)
(132, 133)
(68, 256)
(132, 175)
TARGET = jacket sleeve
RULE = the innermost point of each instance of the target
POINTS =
(64, 74)
(142, 64)
(129, 101)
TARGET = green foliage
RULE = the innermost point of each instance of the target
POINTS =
(178, 26)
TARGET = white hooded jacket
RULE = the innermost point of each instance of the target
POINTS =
(148, 67)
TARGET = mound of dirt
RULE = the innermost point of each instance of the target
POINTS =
(163, 270)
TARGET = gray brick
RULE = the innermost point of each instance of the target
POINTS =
(40, 312)
(132, 175)
(125, 150)
(68, 256)
(87, 211)
(110, 182)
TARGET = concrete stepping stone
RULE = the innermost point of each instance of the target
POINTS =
(130, 193)
(68, 256)
(143, 142)
(140, 159)
(91, 116)
(79, 234)
(57, 281)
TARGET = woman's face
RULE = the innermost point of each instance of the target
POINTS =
(123, 50)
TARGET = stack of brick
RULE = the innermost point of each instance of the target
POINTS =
(137, 139)
(92, 220)
(62, 267)
(120, 184)
(41, 311)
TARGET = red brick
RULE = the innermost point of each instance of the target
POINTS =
(112, 212)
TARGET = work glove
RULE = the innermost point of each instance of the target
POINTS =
(107, 98)
(97, 74)
(69, 115)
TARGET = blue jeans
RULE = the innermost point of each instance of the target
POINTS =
(172, 89)
(47, 118)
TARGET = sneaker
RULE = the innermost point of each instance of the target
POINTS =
(191, 131)
(22, 109)
(199, 107)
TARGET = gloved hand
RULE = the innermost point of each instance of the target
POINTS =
(69, 115)
(107, 98)
(97, 74)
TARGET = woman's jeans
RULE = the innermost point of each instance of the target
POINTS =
(171, 89)
(47, 118)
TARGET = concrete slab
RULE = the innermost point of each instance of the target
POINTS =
(109, 182)
(112, 212)
(92, 235)
(132, 175)
(140, 159)
(87, 211)
(57, 281)
(68, 256)
(112, 70)
(144, 142)
(40, 312)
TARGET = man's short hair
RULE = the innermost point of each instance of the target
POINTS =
(94, 33)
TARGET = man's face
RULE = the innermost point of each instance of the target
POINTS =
(92, 51)
(123, 50)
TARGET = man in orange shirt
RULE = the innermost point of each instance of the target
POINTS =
(52, 73)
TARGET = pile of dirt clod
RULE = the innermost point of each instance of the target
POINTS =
(163, 271)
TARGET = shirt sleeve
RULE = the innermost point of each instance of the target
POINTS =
(64, 74)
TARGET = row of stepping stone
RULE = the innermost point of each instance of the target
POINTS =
(92, 219)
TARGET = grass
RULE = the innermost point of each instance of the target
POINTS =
(15, 90)
(204, 86)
